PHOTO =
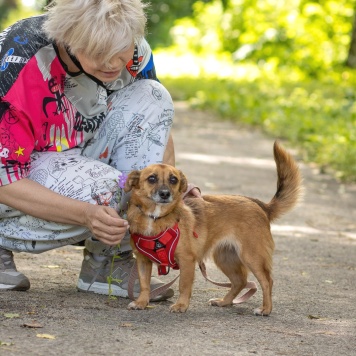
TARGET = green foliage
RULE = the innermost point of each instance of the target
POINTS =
(314, 35)
(288, 75)
(11, 14)
(160, 18)
(319, 117)
(202, 32)
(6, 6)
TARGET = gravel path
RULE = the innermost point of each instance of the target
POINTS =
(314, 272)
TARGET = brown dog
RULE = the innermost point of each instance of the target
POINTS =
(235, 229)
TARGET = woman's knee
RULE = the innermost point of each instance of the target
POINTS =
(76, 176)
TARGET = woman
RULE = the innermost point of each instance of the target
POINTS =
(80, 107)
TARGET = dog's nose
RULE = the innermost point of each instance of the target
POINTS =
(164, 193)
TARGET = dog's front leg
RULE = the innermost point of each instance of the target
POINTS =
(186, 280)
(144, 267)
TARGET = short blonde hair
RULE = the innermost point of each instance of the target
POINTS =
(96, 28)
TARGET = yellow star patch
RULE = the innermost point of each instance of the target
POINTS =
(19, 151)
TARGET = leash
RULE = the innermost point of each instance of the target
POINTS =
(160, 290)
(154, 293)
(251, 286)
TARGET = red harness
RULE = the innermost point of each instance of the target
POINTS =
(160, 248)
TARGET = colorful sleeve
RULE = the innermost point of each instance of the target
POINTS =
(144, 57)
(149, 71)
(16, 144)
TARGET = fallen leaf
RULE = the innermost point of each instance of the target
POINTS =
(11, 315)
(46, 336)
(328, 281)
(126, 325)
(50, 266)
(33, 325)
(316, 317)
(4, 343)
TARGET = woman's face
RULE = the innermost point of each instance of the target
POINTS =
(106, 72)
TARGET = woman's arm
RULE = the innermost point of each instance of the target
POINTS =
(36, 200)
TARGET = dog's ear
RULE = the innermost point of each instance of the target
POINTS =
(183, 182)
(132, 181)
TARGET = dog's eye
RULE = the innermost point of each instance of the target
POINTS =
(173, 180)
(152, 179)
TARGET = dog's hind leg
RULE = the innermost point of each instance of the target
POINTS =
(227, 259)
(261, 266)
(263, 276)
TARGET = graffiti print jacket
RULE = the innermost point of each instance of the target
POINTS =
(44, 107)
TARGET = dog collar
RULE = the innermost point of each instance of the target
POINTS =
(160, 248)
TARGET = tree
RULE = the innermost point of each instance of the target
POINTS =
(351, 57)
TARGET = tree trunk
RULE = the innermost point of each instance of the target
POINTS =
(351, 58)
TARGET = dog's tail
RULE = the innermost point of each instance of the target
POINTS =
(289, 184)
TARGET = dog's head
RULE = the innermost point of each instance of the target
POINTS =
(160, 183)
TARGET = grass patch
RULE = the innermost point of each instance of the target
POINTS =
(316, 116)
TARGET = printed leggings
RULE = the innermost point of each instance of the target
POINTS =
(133, 135)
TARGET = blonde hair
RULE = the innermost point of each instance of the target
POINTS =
(96, 28)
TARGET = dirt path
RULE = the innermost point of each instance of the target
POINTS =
(314, 272)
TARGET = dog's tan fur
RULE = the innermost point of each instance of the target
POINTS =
(235, 229)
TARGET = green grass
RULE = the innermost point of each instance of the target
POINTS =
(316, 116)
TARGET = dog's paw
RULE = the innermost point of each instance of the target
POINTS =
(137, 306)
(261, 312)
(178, 308)
(218, 302)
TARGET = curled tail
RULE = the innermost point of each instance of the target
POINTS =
(289, 184)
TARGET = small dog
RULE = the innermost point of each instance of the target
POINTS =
(235, 229)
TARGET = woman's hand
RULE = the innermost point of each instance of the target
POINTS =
(105, 224)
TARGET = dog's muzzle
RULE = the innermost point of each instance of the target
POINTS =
(163, 196)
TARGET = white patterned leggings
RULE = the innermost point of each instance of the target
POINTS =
(133, 135)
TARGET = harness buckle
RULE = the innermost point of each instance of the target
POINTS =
(163, 270)
(158, 245)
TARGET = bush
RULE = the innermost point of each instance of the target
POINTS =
(317, 117)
